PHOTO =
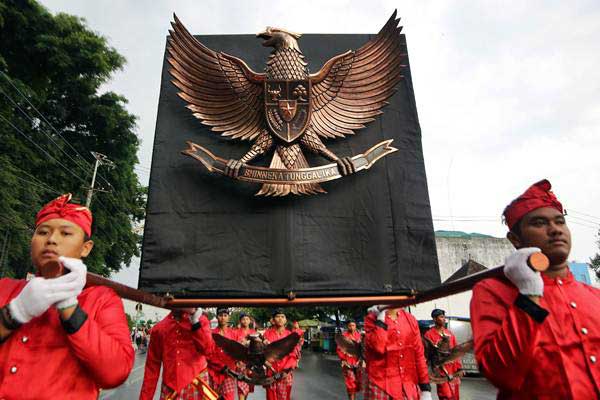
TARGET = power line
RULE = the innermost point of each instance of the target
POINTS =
(9, 80)
(570, 210)
(42, 131)
(50, 125)
(46, 134)
(41, 149)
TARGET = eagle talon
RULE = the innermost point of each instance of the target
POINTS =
(345, 166)
(233, 168)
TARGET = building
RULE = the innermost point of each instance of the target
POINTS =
(144, 312)
(461, 254)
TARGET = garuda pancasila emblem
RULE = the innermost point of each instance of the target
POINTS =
(286, 108)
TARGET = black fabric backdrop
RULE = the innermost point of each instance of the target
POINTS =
(209, 236)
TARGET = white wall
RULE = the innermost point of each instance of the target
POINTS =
(148, 312)
(452, 253)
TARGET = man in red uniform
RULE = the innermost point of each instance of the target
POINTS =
(396, 366)
(448, 390)
(242, 333)
(219, 362)
(296, 328)
(537, 336)
(58, 338)
(180, 343)
(351, 367)
(282, 388)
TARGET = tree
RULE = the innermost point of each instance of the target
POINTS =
(52, 115)
(595, 261)
(321, 313)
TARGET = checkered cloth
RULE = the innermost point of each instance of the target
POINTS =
(227, 388)
(190, 392)
(282, 389)
(374, 392)
(244, 388)
(353, 379)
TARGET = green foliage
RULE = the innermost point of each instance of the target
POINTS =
(58, 64)
(595, 261)
(130, 321)
(321, 313)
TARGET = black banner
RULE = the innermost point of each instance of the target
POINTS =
(208, 236)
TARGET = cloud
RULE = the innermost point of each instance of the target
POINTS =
(507, 92)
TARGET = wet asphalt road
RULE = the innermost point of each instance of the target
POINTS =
(319, 377)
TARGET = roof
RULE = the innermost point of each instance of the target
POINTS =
(460, 234)
(469, 268)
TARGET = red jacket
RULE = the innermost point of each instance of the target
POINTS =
(41, 361)
(289, 361)
(217, 359)
(242, 333)
(434, 336)
(395, 356)
(353, 361)
(444, 389)
(542, 352)
(181, 351)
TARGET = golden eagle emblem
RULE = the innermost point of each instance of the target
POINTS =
(286, 108)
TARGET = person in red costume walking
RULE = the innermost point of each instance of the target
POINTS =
(449, 390)
(351, 365)
(296, 328)
(179, 342)
(219, 362)
(281, 389)
(396, 366)
(537, 336)
(59, 338)
(244, 389)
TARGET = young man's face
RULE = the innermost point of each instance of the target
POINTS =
(279, 320)
(58, 237)
(546, 229)
(440, 320)
(245, 322)
(351, 326)
(223, 319)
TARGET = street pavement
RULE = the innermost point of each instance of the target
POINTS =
(319, 377)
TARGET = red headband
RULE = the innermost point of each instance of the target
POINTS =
(61, 208)
(537, 196)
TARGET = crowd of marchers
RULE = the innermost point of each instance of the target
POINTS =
(536, 335)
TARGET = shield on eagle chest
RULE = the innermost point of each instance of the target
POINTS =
(287, 108)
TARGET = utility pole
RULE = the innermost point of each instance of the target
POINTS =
(101, 159)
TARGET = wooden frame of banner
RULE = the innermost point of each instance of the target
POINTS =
(537, 261)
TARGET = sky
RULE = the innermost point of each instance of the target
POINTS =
(508, 92)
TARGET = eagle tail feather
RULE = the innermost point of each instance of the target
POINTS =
(272, 189)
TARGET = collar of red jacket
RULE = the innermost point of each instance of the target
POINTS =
(568, 278)
(61, 208)
(536, 196)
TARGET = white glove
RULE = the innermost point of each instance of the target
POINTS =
(38, 295)
(375, 309)
(381, 316)
(195, 317)
(528, 281)
(78, 275)
(426, 395)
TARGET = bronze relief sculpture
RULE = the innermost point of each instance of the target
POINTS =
(286, 109)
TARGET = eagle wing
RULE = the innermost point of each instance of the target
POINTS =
(352, 87)
(221, 90)
(281, 348)
(233, 349)
(348, 345)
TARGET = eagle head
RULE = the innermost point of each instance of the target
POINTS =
(279, 38)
